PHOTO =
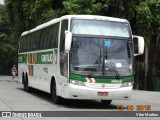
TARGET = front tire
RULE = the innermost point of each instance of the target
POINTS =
(56, 99)
(106, 102)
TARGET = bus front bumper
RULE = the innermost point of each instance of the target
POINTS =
(82, 92)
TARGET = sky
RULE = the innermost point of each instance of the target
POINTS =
(1, 1)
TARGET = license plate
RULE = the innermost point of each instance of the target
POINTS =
(102, 93)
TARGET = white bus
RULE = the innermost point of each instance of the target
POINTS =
(79, 57)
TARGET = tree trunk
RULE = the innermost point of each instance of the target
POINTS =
(146, 65)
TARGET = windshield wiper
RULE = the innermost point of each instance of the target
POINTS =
(113, 66)
(98, 60)
(92, 72)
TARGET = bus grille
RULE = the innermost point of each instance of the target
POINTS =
(102, 86)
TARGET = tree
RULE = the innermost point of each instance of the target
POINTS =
(83, 7)
(143, 15)
(7, 47)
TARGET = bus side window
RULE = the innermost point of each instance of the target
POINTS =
(63, 54)
(33, 39)
(53, 36)
(20, 45)
(41, 46)
(39, 40)
(25, 43)
(31, 42)
(64, 27)
(56, 33)
(46, 38)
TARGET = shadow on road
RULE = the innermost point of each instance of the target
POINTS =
(87, 104)
(68, 103)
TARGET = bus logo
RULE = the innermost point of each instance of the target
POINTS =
(47, 58)
(116, 81)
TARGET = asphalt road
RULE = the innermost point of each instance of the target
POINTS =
(14, 98)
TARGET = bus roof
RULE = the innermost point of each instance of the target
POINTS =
(73, 16)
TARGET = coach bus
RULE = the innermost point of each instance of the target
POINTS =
(85, 57)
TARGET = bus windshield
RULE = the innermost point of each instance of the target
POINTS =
(100, 27)
(101, 56)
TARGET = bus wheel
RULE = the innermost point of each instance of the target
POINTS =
(25, 84)
(106, 102)
(22, 78)
(56, 99)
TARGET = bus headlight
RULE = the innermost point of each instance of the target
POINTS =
(77, 82)
(127, 84)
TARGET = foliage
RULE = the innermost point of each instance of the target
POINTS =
(143, 15)
(82, 7)
(8, 50)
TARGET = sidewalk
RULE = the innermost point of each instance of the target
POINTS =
(149, 96)
(2, 77)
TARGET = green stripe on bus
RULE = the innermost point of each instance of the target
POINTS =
(101, 80)
(49, 57)
(44, 57)
(109, 80)
(22, 58)
(77, 77)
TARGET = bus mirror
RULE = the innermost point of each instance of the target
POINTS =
(140, 44)
(68, 40)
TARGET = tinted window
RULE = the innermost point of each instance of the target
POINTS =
(53, 36)
(100, 27)
(64, 27)
(43, 39)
